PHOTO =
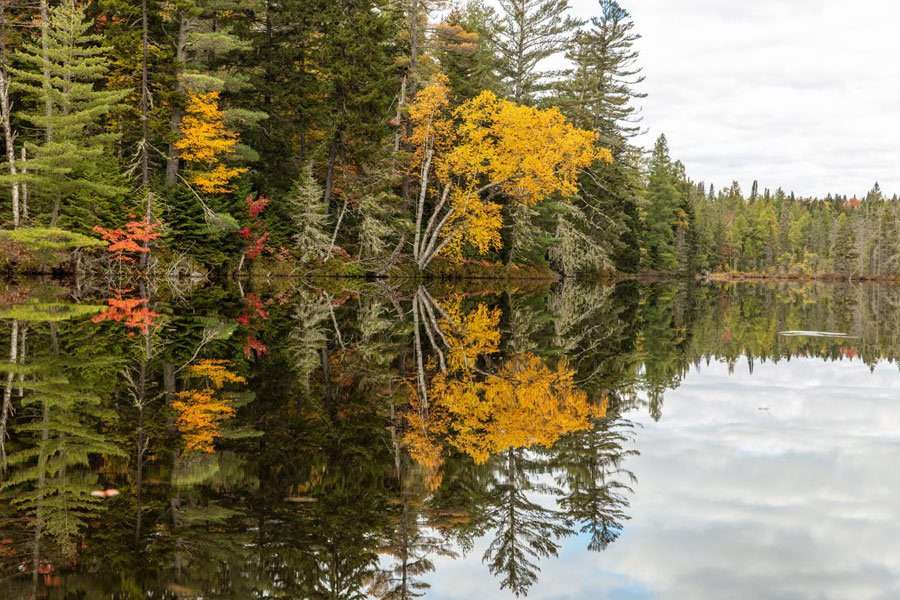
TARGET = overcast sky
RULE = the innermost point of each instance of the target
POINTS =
(802, 94)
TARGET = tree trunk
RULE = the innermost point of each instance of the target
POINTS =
(24, 187)
(329, 173)
(5, 109)
(175, 121)
(145, 102)
(45, 52)
(6, 411)
(48, 103)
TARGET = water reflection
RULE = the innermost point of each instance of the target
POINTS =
(315, 442)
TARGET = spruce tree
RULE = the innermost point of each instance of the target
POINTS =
(310, 216)
(844, 254)
(71, 171)
(662, 205)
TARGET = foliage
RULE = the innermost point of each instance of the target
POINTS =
(49, 238)
(525, 404)
(70, 170)
(489, 146)
(134, 313)
(202, 410)
(133, 239)
(206, 142)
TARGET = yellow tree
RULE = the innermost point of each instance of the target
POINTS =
(206, 142)
(524, 404)
(202, 410)
(467, 156)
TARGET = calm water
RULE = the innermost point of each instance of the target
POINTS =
(584, 442)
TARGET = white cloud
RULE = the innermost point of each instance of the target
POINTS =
(802, 94)
(794, 502)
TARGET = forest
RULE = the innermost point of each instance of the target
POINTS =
(376, 138)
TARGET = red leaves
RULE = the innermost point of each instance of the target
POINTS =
(134, 313)
(254, 310)
(253, 345)
(257, 305)
(133, 239)
(258, 246)
(255, 207)
(256, 232)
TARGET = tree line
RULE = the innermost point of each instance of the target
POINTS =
(370, 135)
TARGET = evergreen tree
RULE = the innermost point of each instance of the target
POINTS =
(310, 217)
(663, 201)
(464, 48)
(599, 94)
(844, 254)
(70, 171)
(531, 31)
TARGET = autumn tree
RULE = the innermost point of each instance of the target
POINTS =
(202, 409)
(487, 147)
(207, 143)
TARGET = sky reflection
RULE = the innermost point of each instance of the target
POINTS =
(779, 484)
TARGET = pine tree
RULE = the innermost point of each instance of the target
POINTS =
(71, 171)
(531, 31)
(310, 216)
(844, 254)
(598, 93)
(662, 206)
(465, 51)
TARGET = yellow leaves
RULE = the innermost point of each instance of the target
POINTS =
(201, 411)
(216, 371)
(475, 222)
(489, 145)
(217, 180)
(470, 336)
(199, 416)
(205, 141)
(525, 404)
(529, 153)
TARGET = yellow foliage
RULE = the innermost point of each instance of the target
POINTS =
(422, 439)
(201, 411)
(199, 414)
(491, 145)
(525, 404)
(206, 141)
(216, 371)
(470, 336)
(475, 222)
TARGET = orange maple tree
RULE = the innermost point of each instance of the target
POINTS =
(205, 143)
(133, 238)
(134, 313)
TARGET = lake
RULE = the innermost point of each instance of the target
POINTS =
(349, 439)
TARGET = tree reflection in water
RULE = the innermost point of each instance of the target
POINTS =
(318, 443)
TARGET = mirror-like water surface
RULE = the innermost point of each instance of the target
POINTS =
(305, 441)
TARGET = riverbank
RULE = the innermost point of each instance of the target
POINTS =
(723, 276)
